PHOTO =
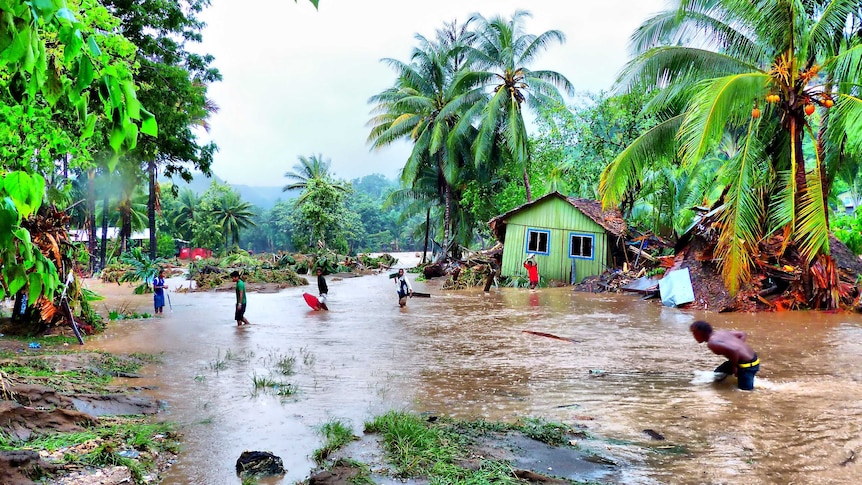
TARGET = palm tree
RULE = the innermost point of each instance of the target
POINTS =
(187, 212)
(424, 106)
(761, 67)
(308, 169)
(232, 214)
(504, 51)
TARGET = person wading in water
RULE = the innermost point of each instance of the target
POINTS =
(742, 360)
(322, 288)
(402, 286)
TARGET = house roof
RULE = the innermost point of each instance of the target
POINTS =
(611, 220)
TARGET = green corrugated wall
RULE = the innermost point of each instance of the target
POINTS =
(561, 219)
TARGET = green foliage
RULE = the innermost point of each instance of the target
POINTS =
(554, 434)
(848, 229)
(774, 165)
(336, 434)
(323, 217)
(435, 448)
(165, 247)
(24, 267)
(225, 214)
(142, 268)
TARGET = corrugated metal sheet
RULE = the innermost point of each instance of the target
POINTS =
(561, 219)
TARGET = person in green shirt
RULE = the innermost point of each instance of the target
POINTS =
(241, 300)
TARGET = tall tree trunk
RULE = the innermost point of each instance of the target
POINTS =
(796, 125)
(151, 206)
(427, 230)
(447, 221)
(103, 251)
(91, 218)
(527, 186)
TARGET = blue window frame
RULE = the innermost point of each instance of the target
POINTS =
(538, 241)
(581, 245)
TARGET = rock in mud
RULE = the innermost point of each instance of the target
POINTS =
(259, 463)
(337, 475)
(21, 467)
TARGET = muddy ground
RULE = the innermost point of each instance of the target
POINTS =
(48, 404)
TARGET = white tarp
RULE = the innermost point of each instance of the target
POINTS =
(675, 288)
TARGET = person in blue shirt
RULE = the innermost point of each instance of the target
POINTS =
(159, 292)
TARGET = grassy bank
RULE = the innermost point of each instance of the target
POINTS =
(44, 437)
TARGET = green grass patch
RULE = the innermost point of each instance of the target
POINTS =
(286, 364)
(119, 365)
(114, 436)
(439, 449)
(412, 446)
(554, 434)
(336, 434)
(270, 383)
(220, 363)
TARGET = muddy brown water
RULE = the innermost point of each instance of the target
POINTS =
(634, 367)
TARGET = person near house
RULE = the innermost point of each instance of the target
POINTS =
(159, 292)
(402, 286)
(532, 272)
(322, 288)
(742, 361)
(241, 299)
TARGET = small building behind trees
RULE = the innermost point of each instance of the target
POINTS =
(569, 238)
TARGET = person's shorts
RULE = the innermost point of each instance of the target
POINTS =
(745, 377)
(322, 298)
(240, 312)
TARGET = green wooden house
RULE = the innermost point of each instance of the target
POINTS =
(569, 238)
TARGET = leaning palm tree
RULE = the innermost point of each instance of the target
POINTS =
(501, 83)
(762, 68)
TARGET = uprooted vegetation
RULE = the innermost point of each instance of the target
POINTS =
(780, 278)
(284, 270)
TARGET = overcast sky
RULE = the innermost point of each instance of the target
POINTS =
(297, 80)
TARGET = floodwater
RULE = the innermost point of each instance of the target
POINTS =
(635, 366)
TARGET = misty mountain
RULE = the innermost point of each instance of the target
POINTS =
(263, 197)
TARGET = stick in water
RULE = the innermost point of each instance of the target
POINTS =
(550, 335)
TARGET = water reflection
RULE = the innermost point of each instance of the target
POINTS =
(635, 367)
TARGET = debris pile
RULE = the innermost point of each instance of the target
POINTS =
(474, 269)
(780, 278)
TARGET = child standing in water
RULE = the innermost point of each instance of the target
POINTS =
(159, 292)
(532, 272)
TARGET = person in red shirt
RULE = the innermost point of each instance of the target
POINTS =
(532, 273)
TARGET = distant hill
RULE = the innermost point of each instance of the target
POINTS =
(263, 197)
(375, 185)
